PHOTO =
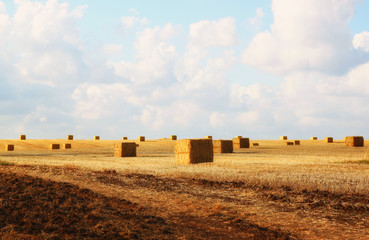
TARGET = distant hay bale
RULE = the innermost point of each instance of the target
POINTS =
(124, 138)
(126, 149)
(255, 144)
(67, 146)
(222, 146)
(313, 138)
(9, 147)
(283, 138)
(141, 139)
(209, 137)
(289, 143)
(70, 137)
(354, 141)
(22, 137)
(241, 143)
(173, 137)
(191, 151)
(55, 146)
(238, 137)
(328, 139)
(296, 142)
(96, 137)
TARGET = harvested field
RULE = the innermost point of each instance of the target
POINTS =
(314, 191)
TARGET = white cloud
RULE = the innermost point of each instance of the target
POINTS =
(310, 35)
(257, 21)
(361, 41)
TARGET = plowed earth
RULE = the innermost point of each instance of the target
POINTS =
(71, 203)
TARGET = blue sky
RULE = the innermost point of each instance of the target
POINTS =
(259, 69)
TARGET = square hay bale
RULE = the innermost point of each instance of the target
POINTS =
(241, 143)
(173, 137)
(9, 147)
(283, 138)
(296, 142)
(289, 143)
(96, 137)
(191, 151)
(354, 141)
(55, 146)
(238, 137)
(328, 139)
(313, 138)
(141, 138)
(124, 138)
(70, 137)
(126, 149)
(209, 137)
(22, 137)
(222, 146)
(255, 144)
(67, 146)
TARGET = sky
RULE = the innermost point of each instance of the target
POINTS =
(254, 68)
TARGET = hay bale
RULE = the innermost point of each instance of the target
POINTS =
(238, 137)
(55, 146)
(354, 141)
(173, 137)
(96, 137)
(141, 139)
(283, 137)
(255, 144)
(67, 146)
(313, 138)
(241, 143)
(70, 137)
(9, 147)
(222, 146)
(328, 139)
(124, 138)
(190, 151)
(126, 149)
(296, 142)
(289, 143)
(209, 137)
(22, 137)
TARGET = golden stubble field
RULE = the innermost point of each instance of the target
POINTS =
(313, 191)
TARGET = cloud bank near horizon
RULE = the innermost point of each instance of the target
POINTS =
(55, 82)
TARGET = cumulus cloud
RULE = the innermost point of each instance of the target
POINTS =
(361, 41)
(310, 36)
(257, 21)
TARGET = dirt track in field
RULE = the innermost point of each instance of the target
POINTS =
(77, 203)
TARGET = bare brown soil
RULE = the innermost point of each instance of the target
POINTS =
(36, 208)
(41, 202)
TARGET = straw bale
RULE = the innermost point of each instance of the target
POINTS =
(283, 137)
(190, 151)
(173, 137)
(241, 143)
(55, 146)
(289, 143)
(255, 144)
(313, 138)
(238, 137)
(96, 137)
(222, 146)
(67, 146)
(126, 149)
(124, 138)
(208, 137)
(296, 142)
(70, 137)
(354, 141)
(141, 139)
(22, 137)
(328, 139)
(9, 147)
